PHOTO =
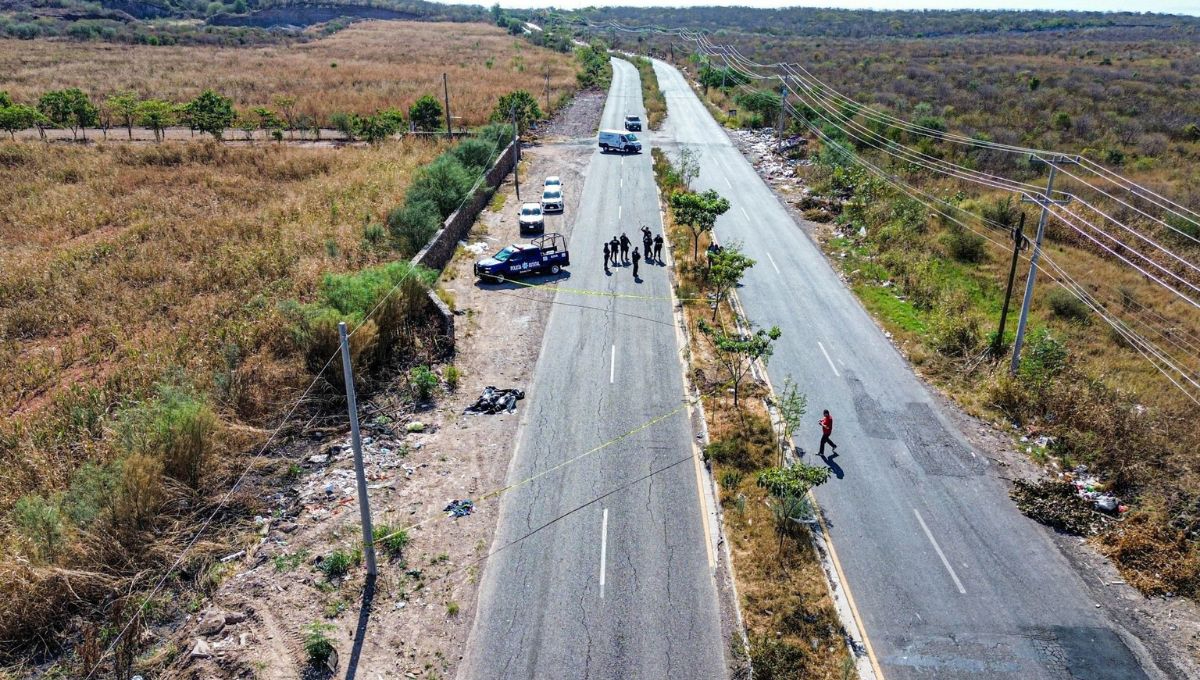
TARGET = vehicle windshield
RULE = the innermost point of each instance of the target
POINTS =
(631, 118)
(551, 193)
(631, 137)
(503, 255)
(531, 210)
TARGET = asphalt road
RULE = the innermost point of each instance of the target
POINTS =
(619, 587)
(951, 581)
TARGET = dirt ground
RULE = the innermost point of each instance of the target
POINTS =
(416, 621)
(1168, 629)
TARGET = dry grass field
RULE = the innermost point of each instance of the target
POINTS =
(367, 67)
(161, 306)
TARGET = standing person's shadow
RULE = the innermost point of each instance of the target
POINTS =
(833, 467)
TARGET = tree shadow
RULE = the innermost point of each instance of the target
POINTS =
(360, 631)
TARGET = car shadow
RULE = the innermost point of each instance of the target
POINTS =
(523, 282)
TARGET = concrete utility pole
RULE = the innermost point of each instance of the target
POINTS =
(516, 150)
(446, 93)
(1045, 201)
(547, 89)
(782, 106)
(364, 503)
(1012, 273)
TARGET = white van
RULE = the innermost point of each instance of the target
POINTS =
(615, 140)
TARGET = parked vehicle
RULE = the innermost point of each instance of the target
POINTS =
(633, 123)
(552, 199)
(531, 218)
(615, 140)
(553, 181)
(544, 254)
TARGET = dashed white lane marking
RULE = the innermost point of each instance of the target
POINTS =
(612, 365)
(728, 182)
(773, 263)
(746, 214)
(603, 549)
(958, 584)
(619, 212)
(835, 371)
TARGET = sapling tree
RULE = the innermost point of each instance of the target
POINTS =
(725, 271)
(736, 352)
(698, 212)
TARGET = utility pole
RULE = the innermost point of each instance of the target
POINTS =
(782, 106)
(1012, 273)
(547, 89)
(446, 92)
(364, 503)
(1045, 201)
(516, 151)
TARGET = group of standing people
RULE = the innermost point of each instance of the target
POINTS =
(616, 251)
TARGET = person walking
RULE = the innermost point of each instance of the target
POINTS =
(826, 430)
(658, 241)
(625, 247)
(637, 257)
(606, 257)
(647, 242)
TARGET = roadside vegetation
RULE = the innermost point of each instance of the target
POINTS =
(791, 625)
(161, 309)
(392, 65)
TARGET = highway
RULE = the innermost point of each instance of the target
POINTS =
(603, 569)
(950, 580)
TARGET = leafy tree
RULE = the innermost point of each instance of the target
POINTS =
(5, 99)
(124, 105)
(737, 352)
(246, 122)
(426, 113)
(17, 117)
(345, 123)
(287, 108)
(157, 115)
(520, 104)
(1062, 121)
(688, 166)
(722, 77)
(413, 225)
(595, 67)
(765, 103)
(793, 481)
(792, 405)
(267, 119)
(725, 271)
(444, 183)
(211, 113)
(474, 154)
(698, 212)
(69, 108)
(380, 126)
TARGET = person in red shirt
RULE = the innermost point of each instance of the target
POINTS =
(826, 430)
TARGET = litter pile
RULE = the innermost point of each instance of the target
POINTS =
(1055, 503)
(458, 508)
(495, 400)
(764, 151)
(1089, 488)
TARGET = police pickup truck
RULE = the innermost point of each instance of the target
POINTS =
(543, 254)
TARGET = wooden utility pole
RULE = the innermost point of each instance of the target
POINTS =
(1018, 235)
(446, 93)
(547, 89)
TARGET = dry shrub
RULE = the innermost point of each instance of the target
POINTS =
(1154, 557)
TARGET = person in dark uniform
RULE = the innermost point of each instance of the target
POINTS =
(658, 241)
(624, 247)
(614, 246)
(647, 243)
(636, 257)
(606, 256)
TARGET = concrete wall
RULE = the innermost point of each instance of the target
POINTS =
(440, 249)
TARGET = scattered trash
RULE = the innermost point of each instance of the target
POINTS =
(234, 556)
(319, 459)
(475, 248)
(1055, 503)
(495, 400)
(459, 508)
(415, 426)
(201, 650)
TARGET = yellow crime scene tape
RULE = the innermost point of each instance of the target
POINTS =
(594, 293)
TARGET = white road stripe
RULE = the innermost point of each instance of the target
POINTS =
(938, 548)
(603, 549)
(773, 263)
(835, 371)
(746, 214)
(619, 212)
(728, 182)
(612, 365)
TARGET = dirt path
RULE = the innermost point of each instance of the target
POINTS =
(418, 619)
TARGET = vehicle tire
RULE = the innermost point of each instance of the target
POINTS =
(555, 269)
(603, 148)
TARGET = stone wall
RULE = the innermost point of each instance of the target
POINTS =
(440, 249)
